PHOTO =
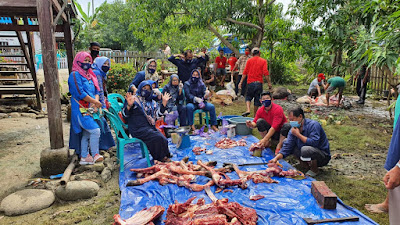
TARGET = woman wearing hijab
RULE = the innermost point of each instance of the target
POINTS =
(101, 66)
(195, 93)
(175, 104)
(84, 89)
(141, 112)
(149, 73)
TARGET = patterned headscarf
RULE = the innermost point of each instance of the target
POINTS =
(88, 74)
(149, 76)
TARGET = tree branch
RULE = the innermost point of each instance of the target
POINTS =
(244, 23)
(223, 40)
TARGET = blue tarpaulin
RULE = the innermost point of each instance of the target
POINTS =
(286, 202)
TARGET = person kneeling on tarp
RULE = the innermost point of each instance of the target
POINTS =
(270, 121)
(141, 113)
(307, 141)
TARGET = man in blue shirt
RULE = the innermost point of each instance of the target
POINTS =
(307, 141)
(186, 64)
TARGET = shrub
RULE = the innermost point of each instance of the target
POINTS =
(119, 77)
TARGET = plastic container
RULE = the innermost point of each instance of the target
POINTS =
(227, 117)
(240, 122)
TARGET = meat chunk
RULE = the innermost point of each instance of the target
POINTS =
(143, 217)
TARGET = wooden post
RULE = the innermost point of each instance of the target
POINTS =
(68, 45)
(48, 42)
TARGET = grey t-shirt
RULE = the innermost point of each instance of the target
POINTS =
(313, 85)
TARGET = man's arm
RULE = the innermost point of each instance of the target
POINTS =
(287, 148)
(392, 177)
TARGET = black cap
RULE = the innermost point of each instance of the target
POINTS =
(95, 44)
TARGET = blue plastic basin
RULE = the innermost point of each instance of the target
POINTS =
(240, 122)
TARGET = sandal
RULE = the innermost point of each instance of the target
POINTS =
(245, 114)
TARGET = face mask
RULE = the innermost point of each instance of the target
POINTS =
(146, 93)
(84, 66)
(246, 53)
(188, 60)
(94, 53)
(105, 68)
(195, 80)
(295, 124)
(266, 103)
(152, 71)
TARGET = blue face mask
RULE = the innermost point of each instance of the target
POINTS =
(195, 79)
(146, 93)
(266, 103)
(105, 68)
(85, 66)
(295, 124)
(152, 70)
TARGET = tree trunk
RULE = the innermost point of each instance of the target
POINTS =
(223, 40)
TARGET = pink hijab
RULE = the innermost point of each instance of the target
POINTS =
(80, 57)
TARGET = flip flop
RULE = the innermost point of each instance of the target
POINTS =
(311, 173)
(375, 208)
(246, 114)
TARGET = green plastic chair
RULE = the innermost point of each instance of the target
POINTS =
(116, 100)
(116, 123)
(200, 112)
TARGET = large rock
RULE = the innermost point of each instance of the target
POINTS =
(15, 115)
(99, 167)
(75, 190)
(280, 93)
(27, 201)
(106, 174)
(3, 115)
(54, 161)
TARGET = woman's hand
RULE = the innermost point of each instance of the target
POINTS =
(97, 103)
(130, 99)
(165, 98)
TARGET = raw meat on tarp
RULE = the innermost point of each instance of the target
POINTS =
(220, 212)
(143, 217)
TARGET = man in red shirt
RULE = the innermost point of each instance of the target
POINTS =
(256, 68)
(232, 61)
(270, 121)
(221, 64)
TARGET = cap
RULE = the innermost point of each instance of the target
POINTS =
(322, 76)
(255, 49)
(95, 44)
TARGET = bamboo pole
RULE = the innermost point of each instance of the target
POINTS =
(67, 173)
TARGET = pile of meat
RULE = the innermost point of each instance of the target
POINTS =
(144, 217)
(220, 212)
(198, 150)
(229, 143)
(183, 173)
(255, 147)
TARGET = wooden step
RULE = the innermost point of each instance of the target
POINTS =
(4, 80)
(11, 46)
(10, 36)
(13, 64)
(12, 72)
(18, 90)
(2, 55)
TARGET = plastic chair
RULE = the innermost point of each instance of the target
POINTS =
(116, 123)
(116, 100)
(200, 112)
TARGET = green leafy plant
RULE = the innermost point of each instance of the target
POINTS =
(119, 77)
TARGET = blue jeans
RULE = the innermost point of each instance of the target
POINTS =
(90, 137)
(182, 115)
(190, 108)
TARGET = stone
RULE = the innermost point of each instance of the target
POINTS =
(86, 175)
(54, 161)
(15, 115)
(3, 115)
(109, 163)
(75, 190)
(52, 184)
(99, 167)
(106, 174)
(105, 154)
(27, 201)
(30, 115)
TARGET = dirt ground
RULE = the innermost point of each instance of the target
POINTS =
(355, 155)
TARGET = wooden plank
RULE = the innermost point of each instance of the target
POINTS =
(3, 80)
(32, 69)
(324, 196)
(47, 39)
(13, 64)
(25, 91)
(32, 28)
(16, 71)
(58, 8)
(69, 45)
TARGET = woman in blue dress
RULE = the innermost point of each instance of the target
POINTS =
(195, 93)
(141, 112)
(84, 89)
(100, 67)
(176, 104)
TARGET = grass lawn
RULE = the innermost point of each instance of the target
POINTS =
(361, 143)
